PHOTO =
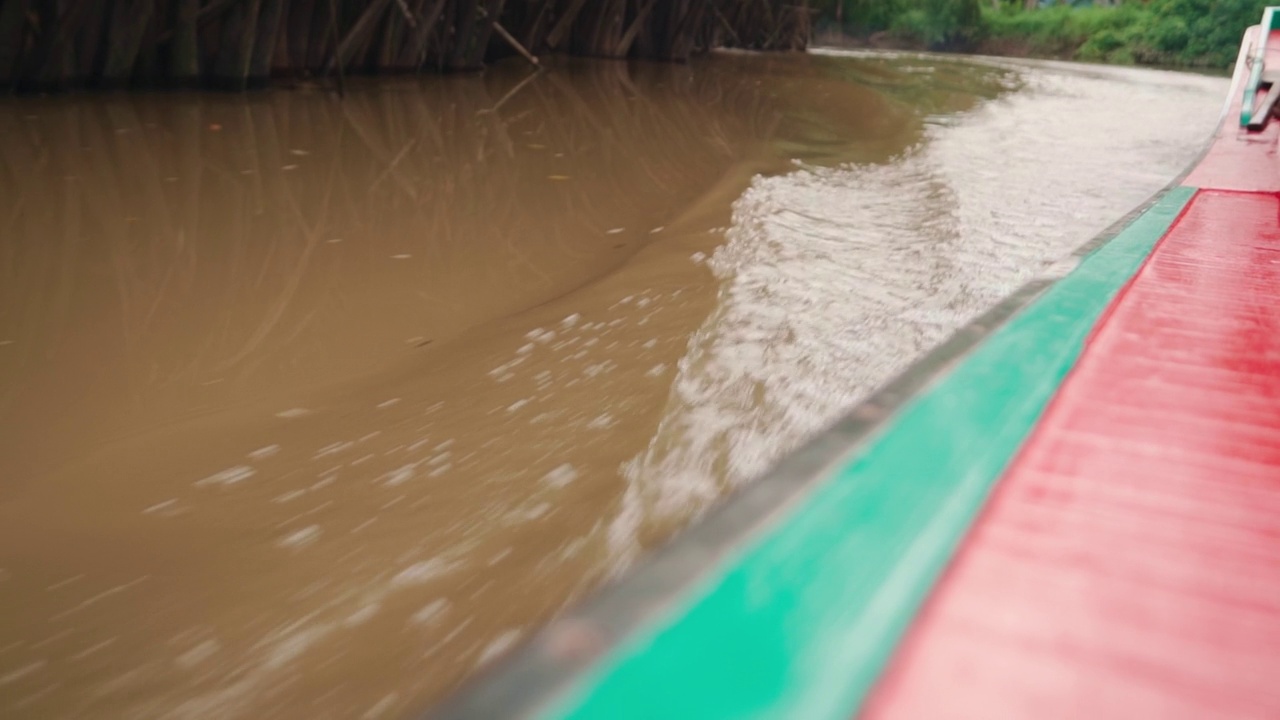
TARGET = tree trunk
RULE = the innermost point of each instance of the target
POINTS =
(298, 28)
(231, 70)
(359, 33)
(129, 20)
(414, 51)
(184, 57)
(89, 45)
(13, 30)
(564, 24)
(264, 47)
(493, 10)
(464, 28)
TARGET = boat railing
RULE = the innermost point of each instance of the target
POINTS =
(1253, 117)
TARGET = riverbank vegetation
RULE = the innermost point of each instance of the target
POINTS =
(52, 44)
(1180, 33)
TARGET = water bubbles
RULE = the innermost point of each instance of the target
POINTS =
(230, 476)
(382, 707)
(362, 615)
(498, 646)
(197, 654)
(160, 506)
(422, 572)
(333, 449)
(561, 475)
(300, 538)
(430, 612)
(21, 672)
(533, 512)
(289, 496)
(86, 652)
(263, 453)
(400, 475)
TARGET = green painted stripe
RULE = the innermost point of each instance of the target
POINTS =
(800, 621)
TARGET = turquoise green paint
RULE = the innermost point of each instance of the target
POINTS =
(798, 624)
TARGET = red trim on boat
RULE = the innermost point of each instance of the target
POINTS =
(1129, 563)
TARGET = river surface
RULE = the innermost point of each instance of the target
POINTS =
(311, 408)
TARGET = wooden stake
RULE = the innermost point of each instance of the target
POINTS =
(502, 33)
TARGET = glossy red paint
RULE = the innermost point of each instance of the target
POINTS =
(1128, 565)
(1239, 159)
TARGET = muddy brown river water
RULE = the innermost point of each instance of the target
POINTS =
(310, 408)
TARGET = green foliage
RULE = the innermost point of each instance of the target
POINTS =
(1200, 32)
(940, 23)
(931, 23)
(1063, 31)
(862, 16)
(1189, 33)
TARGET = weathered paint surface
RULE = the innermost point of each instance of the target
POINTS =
(800, 623)
(1129, 565)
